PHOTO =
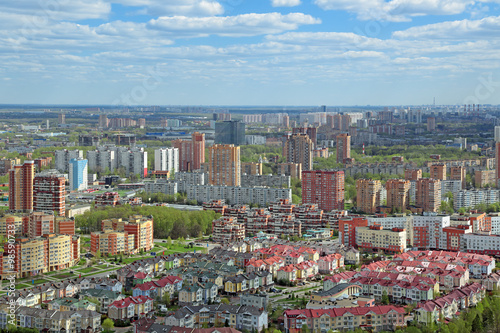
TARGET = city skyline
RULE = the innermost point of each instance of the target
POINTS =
(235, 52)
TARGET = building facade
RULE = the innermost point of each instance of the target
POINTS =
(21, 187)
(324, 188)
(224, 165)
(299, 149)
(78, 174)
(49, 192)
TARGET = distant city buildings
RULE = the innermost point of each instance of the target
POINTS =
(230, 132)
(62, 158)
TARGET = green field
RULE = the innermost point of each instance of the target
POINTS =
(87, 270)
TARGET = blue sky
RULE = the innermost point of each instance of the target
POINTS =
(250, 52)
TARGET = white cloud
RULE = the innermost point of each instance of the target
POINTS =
(399, 10)
(69, 10)
(240, 25)
(176, 7)
(285, 3)
(486, 28)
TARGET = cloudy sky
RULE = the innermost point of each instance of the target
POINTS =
(250, 52)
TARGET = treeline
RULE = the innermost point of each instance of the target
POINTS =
(168, 222)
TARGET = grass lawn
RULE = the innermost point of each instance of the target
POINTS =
(87, 270)
(64, 276)
(23, 285)
(282, 288)
(41, 281)
(112, 270)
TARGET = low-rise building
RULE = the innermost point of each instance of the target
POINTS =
(130, 308)
(377, 238)
(46, 320)
(377, 318)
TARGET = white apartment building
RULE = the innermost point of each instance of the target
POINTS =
(483, 243)
(167, 159)
(161, 186)
(132, 160)
(471, 198)
(265, 180)
(100, 160)
(453, 186)
(62, 158)
(428, 230)
(238, 195)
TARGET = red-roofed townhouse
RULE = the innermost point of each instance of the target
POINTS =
(130, 308)
(330, 263)
(293, 258)
(377, 318)
(287, 273)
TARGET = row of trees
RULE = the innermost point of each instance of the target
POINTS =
(168, 222)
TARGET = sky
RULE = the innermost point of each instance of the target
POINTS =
(250, 52)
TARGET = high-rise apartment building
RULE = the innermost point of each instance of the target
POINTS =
(38, 223)
(251, 168)
(132, 160)
(43, 254)
(130, 236)
(324, 188)
(11, 223)
(230, 132)
(459, 173)
(224, 166)
(49, 192)
(431, 124)
(8, 163)
(347, 229)
(428, 194)
(438, 171)
(142, 229)
(368, 195)
(343, 147)
(428, 231)
(111, 242)
(484, 177)
(413, 174)
(61, 118)
(64, 156)
(299, 149)
(167, 159)
(398, 194)
(293, 170)
(310, 131)
(103, 121)
(21, 187)
(78, 174)
(191, 153)
(497, 155)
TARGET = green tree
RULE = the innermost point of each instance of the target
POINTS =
(385, 298)
(166, 298)
(98, 254)
(108, 324)
(304, 329)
